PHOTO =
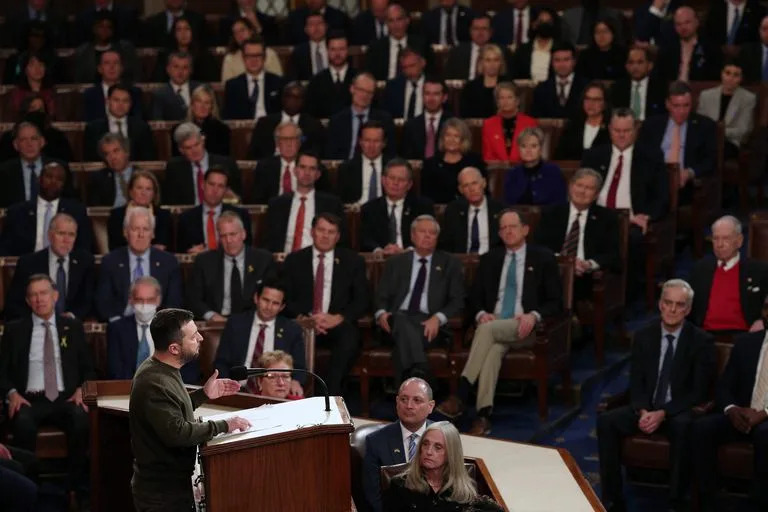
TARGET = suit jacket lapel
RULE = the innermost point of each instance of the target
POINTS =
(336, 281)
(218, 293)
(405, 221)
(463, 216)
(744, 284)
(396, 446)
(708, 276)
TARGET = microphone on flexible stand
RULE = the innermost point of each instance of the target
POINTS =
(243, 373)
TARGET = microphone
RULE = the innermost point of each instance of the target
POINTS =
(243, 373)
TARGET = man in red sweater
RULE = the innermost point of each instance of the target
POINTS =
(729, 289)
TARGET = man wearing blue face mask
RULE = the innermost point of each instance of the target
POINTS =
(129, 340)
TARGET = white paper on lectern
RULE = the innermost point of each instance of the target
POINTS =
(281, 417)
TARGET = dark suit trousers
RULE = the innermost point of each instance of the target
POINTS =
(709, 433)
(410, 343)
(614, 425)
(67, 416)
(344, 343)
(635, 262)
(163, 499)
(18, 491)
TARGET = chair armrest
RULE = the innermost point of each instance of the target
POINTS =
(456, 324)
(613, 401)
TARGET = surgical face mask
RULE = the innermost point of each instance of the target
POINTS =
(144, 312)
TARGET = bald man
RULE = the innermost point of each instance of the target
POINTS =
(687, 56)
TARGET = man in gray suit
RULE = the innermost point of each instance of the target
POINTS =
(171, 101)
(418, 292)
(732, 104)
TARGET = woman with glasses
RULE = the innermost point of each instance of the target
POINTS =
(590, 128)
(144, 191)
(277, 384)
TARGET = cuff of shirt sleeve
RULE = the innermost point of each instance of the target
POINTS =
(208, 315)
(537, 315)
(377, 314)
(593, 265)
(12, 391)
(480, 314)
(731, 406)
(442, 318)
(114, 318)
(656, 12)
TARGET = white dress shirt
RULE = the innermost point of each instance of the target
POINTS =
(182, 90)
(41, 235)
(757, 377)
(624, 192)
(226, 303)
(113, 124)
(643, 95)
(309, 213)
(216, 213)
(482, 225)
(416, 267)
(540, 58)
(269, 339)
(569, 80)
(285, 118)
(36, 372)
(444, 22)
(526, 12)
(409, 89)
(25, 171)
(260, 110)
(406, 436)
(327, 275)
(590, 132)
(474, 53)
(283, 164)
(204, 166)
(732, 14)
(394, 49)
(341, 72)
(367, 170)
(150, 342)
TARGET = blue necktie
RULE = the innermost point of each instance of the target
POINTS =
(510, 289)
(33, 184)
(138, 271)
(61, 286)
(373, 183)
(734, 26)
(414, 304)
(412, 446)
(46, 223)
(474, 239)
(255, 92)
(660, 397)
(143, 351)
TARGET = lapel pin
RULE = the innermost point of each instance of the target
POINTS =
(336, 260)
(250, 268)
(63, 343)
(74, 261)
(397, 450)
(461, 213)
(157, 263)
(439, 268)
(120, 265)
(530, 269)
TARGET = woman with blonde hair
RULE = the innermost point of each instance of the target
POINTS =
(143, 191)
(477, 97)
(436, 478)
(204, 112)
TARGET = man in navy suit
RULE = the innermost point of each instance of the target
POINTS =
(311, 57)
(420, 133)
(109, 185)
(157, 28)
(642, 91)
(359, 179)
(734, 23)
(403, 94)
(125, 20)
(268, 331)
(171, 101)
(371, 24)
(129, 340)
(702, 57)
(560, 95)
(396, 443)
(121, 267)
(381, 57)
(334, 19)
(512, 25)
(74, 275)
(256, 92)
(448, 23)
(110, 69)
(27, 224)
(752, 56)
(328, 91)
(344, 127)
(653, 21)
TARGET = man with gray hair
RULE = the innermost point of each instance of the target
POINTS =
(730, 290)
(171, 101)
(185, 174)
(672, 365)
(109, 186)
(124, 265)
(418, 292)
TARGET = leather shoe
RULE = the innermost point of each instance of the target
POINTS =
(480, 427)
(451, 407)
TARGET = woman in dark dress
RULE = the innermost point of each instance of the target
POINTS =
(33, 110)
(34, 81)
(436, 479)
(605, 58)
(184, 40)
(144, 191)
(439, 177)
(204, 112)
(533, 182)
(477, 99)
(590, 128)
(37, 39)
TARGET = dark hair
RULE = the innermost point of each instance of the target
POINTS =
(310, 154)
(232, 47)
(119, 87)
(104, 15)
(24, 59)
(40, 277)
(255, 40)
(166, 326)
(523, 217)
(111, 49)
(272, 283)
(375, 124)
(563, 46)
(216, 169)
(595, 84)
(398, 162)
(314, 13)
(194, 45)
(678, 88)
(730, 61)
(335, 34)
(328, 217)
(434, 79)
(480, 16)
(293, 84)
(645, 49)
(608, 23)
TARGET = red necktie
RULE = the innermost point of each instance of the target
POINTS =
(287, 189)
(211, 231)
(298, 232)
(317, 295)
(256, 355)
(519, 29)
(610, 201)
(200, 180)
(429, 151)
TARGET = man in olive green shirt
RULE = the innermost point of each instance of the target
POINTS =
(164, 433)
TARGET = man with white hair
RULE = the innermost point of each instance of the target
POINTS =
(121, 267)
(185, 174)
(730, 291)
(662, 394)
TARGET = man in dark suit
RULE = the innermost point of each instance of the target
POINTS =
(224, 280)
(171, 101)
(27, 224)
(463, 58)
(36, 11)
(471, 222)
(196, 227)
(74, 275)
(641, 91)
(119, 268)
(86, 59)
(753, 56)
(739, 415)
(338, 296)
(185, 174)
(419, 139)
(653, 21)
(157, 28)
(396, 443)
(44, 362)
(733, 23)
(371, 24)
(125, 18)
(672, 365)
(730, 291)
(448, 23)
(403, 94)
(344, 127)
(21, 176)
(110, 69)
(119, 120)
(385, 222)
(268, 331)
(274, 175)
(311, 57)
(415, 315)
(381, 58)
(583, 229)
(516, 287)
(686, 56)
(335, 19)
(682, 127)
(256, 92)
(312, 131)
(328, 90)
(560, 95)
(109, 186)
(289, 215)
(359, 179)
(512, 24)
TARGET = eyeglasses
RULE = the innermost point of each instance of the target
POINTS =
(254, 55)
(278, 376)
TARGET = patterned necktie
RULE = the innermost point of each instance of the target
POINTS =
(50, 383)
(317, 291)
(298, 232)
(610, 201)
(257, 351)
(734, 26)
(143, 352)
(637, 101)
(287, 187)
(429, 150)
(449, 39)
(200, 178)
(210, 230)
(561, 97)
(46, 223)
(392, 227)
(510, 289)
(122, 183)
(61, 286)
(33, 181)
(411, 113)
(414, 305)
(235, 290)
(474, 244)
(662, 386)
(571, 244)
(373, 183)
(760, 391)
(412, 446)
(138, 271)
(319, 61)
(119, 124)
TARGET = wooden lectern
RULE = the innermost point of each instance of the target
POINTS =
(296, 459)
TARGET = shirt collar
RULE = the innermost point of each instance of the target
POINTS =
(416, 258)
(38, 163)
(176, 87)
(396, 202)
(239, 257)
(54, 258)
(643, 82)
(309, 195)
(270, 324)
(36, 320)
(256, 78)
(675, 333)
(731, 262)
(622, 152)
(144, 256)
(482, 206)
(568, 79)
(407, 433)
(216, 209)
(573, 210)
(327, 256)
(42, 202)
(520, 252)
